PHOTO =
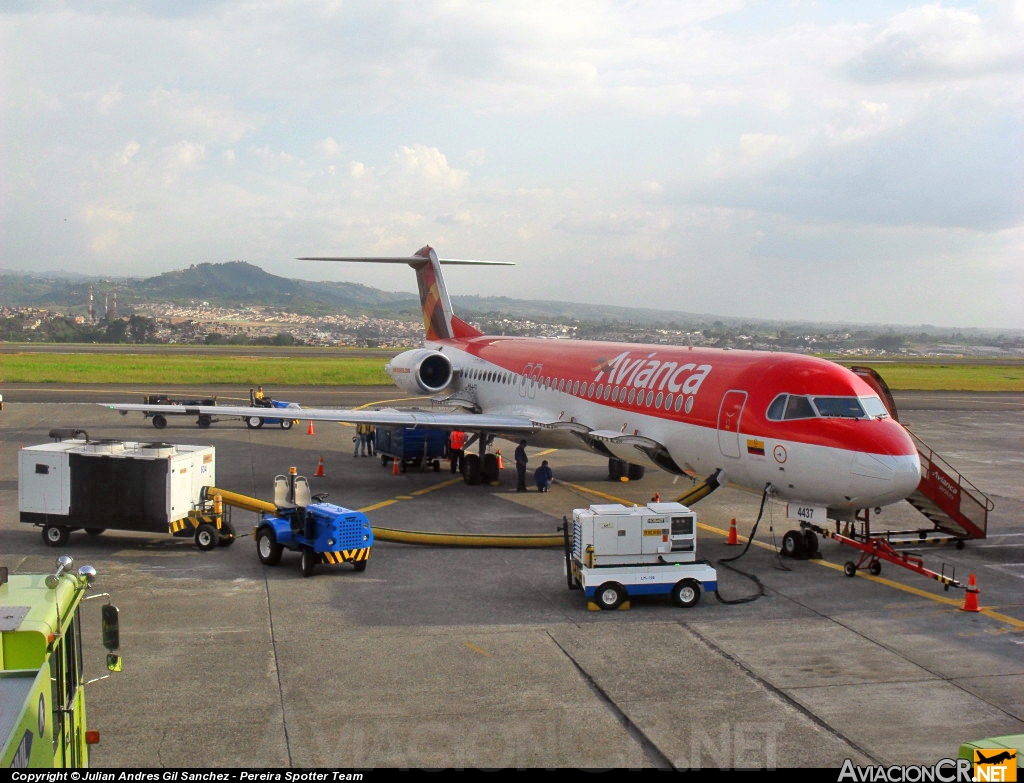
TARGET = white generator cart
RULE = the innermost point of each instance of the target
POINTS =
(97, 485)
(614, 552)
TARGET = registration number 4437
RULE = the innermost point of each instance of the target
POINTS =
(805, 513)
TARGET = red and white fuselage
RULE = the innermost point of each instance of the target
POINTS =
(695, 410)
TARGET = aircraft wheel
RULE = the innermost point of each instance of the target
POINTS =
(610, 595)
(56, 535)
(286, 424)
(875, 567)
(793, 543)
(634, 472)
(850, 569)
(159, 421)
(204, 421)
(686, 593)
(810, 543)
(490, 469)
(267, 548)
(94, 531)
(474, 470)
(207, 537)
(615, 469)
(307, 561)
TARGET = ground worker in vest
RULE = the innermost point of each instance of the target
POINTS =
(456, 445)
(360, 440)
(259, 398)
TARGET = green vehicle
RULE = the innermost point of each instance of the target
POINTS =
(991, 751)
(42, 671)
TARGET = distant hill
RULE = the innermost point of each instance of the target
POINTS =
(229, 284)
(240, 284)
(235, 284)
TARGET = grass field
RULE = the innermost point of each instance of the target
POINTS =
(354, 370)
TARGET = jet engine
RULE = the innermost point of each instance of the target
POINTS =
(422, 371)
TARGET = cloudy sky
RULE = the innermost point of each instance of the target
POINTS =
(852, 161)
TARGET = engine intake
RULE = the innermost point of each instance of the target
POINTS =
(422, 371)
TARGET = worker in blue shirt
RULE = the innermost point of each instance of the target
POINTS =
(521, 460)
(543, 477)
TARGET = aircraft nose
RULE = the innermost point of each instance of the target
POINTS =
(886, 478)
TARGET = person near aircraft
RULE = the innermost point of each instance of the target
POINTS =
(259, 398)
(369, 434)
(360, 440)
(521, 461)
(543, 477)
(456, 446)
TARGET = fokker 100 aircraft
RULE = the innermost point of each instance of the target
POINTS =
(805, 430)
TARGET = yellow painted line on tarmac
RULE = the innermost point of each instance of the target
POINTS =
(476, 649)
(595, 492)
(411, 496)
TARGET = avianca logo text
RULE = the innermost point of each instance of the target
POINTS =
(650, 373)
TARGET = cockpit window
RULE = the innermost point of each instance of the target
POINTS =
(787, 407)
(874, 407)
(790, 406)
(841, 407)
(798, 407)
(776, 409)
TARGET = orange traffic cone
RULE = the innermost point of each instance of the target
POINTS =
(733, 538)
(395, 467)
(501, 462)
(320, 467)
(656, 498)
(971, 599)
(310, 430)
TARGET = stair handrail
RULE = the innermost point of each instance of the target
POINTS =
(933, 457)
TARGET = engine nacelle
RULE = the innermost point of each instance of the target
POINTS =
(422, 371)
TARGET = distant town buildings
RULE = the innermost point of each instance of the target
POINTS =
(202, 323)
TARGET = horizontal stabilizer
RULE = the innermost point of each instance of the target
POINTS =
(411, 260)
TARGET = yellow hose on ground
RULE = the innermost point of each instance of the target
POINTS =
(469, 539)
(407, 536)
(239, 501)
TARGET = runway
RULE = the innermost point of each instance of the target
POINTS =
(448, 657)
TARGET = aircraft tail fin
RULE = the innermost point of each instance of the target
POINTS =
(439, 321)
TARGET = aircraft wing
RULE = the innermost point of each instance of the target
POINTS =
(469, 422)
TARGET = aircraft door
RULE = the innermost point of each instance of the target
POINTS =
(729, 422)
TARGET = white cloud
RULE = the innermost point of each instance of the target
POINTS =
(717, 149)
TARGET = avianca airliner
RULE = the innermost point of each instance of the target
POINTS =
(806, 430)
